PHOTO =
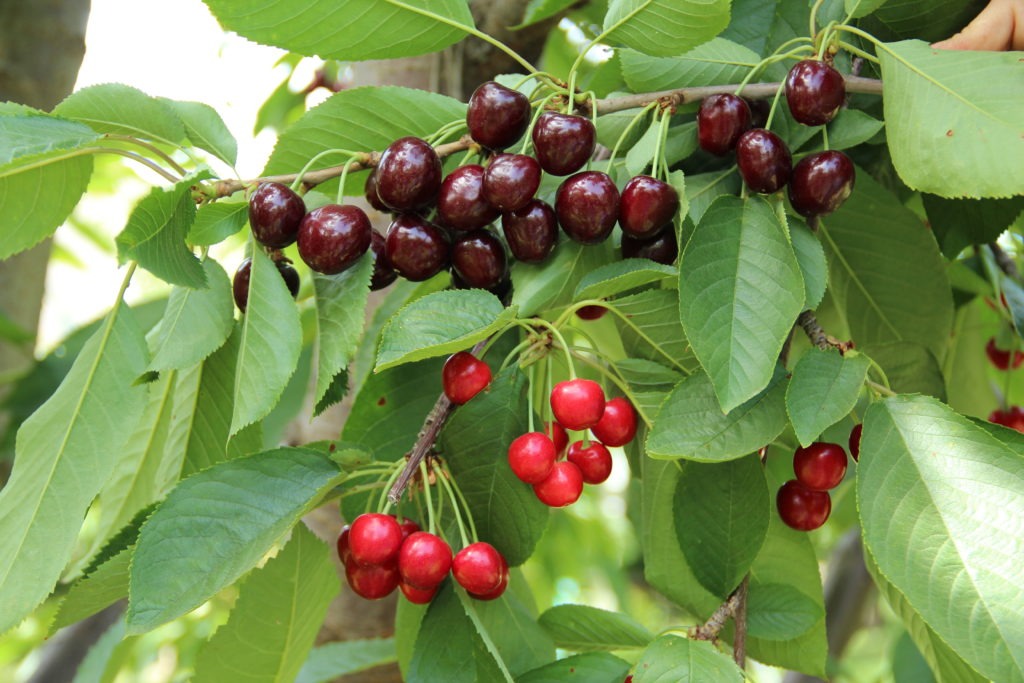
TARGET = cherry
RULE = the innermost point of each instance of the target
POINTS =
(577, 403)
(531, 232)
(500, 290)
(531, 457)
(240, 283)
(275, 212)
(592, 312)
(1012, 418)
(563, 143)
(344, 552)
(424, 560)
(662, 249)
(562, 487)
(371, 582)
(417, 596)
(814, 92)
(855, 441)
(461, 204)
(510, 181)
(594, 461)
(383, 273)
(647, 206)
(764, 160)
(1000, 358)
(587, 205)
(821, 182)
(800, 507)
(333, 237)
(820, 466)
(416, 248)
(497, 116)
(375, 539)
(464, 376)
(408, 528)
(499, 589)
(479, 259)
(759, 110)
(617, 425)
(478, 568)
(408, 175)
(370, 192)
(556, 433)
(720, 122)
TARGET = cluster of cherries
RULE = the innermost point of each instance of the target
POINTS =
(381, 554)
(820, 182)
(1003, 359)
(804, 503)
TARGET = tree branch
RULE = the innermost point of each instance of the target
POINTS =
(739, 641)
(1004, 261)
(710, 629)
(818, 336)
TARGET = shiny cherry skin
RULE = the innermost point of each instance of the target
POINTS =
(240, 282)
(562, 487)
(556, 433)
(764, 160)
(594, 461)
(333, 237)
(275, 212)
(814, 92)
(497, 116)
(371, 582)
(417, 596)
(499, 589)
(344, 552)
(855, 441)
(1000, 358)
(479, 259)
(617, 425)
(424, 560)
(821, 182)
(577, 404)
(510, 181)
(800, 507)
(531, 457)
(721, 120)
(464, 376)
(370, 192)
(587, 206)
(383, 273)
(461, 204)
(647, 207)
(563, 143)
(531, 232)
(408, 528)
(416, 248)
(662, 249)
(408, 175)
(820, 466)
(375, 539)
(592, 312)
(478, 568)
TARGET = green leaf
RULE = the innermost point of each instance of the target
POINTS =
(550, 285)
(941, 504)
(740, 290)
(155, 236)
(621, 276)
(671, 659)
(217, 221)
(101, 662)
(718, 61)
(34, 135)
(910, 368)
(813, 266)
(704, 188)
(721, 519)
(207, 533)
(581, 628)
(64, 454)
(664, 27)
(851, 128)
(861, 8)
(823, 390)
(206, 129)
(269, 346)
(274, 622)
(96, 591)
(348, 30)
(908, 665)
(959, 223)
(641, 153)
(196, 322)
(592, 667)
(341, 310)
(440, 324)
(647, 374)
(929, 20)
(331, 660)
(539, 10)
(475, 442)
(653, 331)
(778, 611)
(950, 131)
(123, 110)
(691, 425)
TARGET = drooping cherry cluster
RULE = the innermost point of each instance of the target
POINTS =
(804, 502)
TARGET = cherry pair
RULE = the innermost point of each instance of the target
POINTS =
(804, 503)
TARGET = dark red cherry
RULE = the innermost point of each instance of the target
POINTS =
(562, 487)
(594, 461)
(333, 237)
(497, 116)
(587, 206)
(855, 441)
(814, 92)
(408, 175)
(759, 110)
(592, 312)
(662, 249)
(416, 248)
(375, 539)
(563, 143)
(647, 206)
(800, 507)
(820, 466)
(531, 232)
(383, 273)
(371, 582)
(478, 568)
(577, 403)
(531, 457)
(370, 192)
(424, 560)
(461, 204)
(617, 425)
(275, 212)
(464, 376)
(764, 160)
(479, 259)
(720, 122)
(821, 183)
(510, 181)
(343, 550)
(240, 283)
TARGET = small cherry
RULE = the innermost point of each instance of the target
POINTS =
(594, 461)
(855, 441)
(497, 116)
(383, 273)
(531, 232)
(510, 181)
(275, 212)
(1000, 358)
(417, 596)
(720, 122)
(371, 582)
(563, 143)
(344, 552)
(820, 466)
(647, 206)
(563, 486)
(591, 312)
(1012, 418)
(661, 249)
(479, 259)
(333, 237)
(801, 508)
(617, 425)
(814, 92)
(577, 403)
(559, 438)
(531, 457)
(375, 539)
(408, 175)
(424, 560)
(408, 528)
(464, 376)
(478, 568)
(240, 282)
(764, 160)
(587, 206)
(821, 182)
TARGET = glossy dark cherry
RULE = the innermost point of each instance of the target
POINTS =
(557, 434)
(370, 192)
(662, 249)
(275, 212)
(594, 461)
(416, 248)
(375, 539)
(821, 183)
(531, 457)
(577, 404)
(383, 273)
(510, 181)
(563, 143)
(1012, 418)
(479, 259)
(408, 175)
(531, 232)
(461, 204)
(333, 237)
(855, 441)
(617, 425)
(647, 206)
(814, 92)
(478, 568)
(1000, 358)
(497, 116)
(424, 560)
(587, 206)
(417, 596)
(721, 120)
(563, 486)
(592, 312)
(371, 582)
(764, 160)
(759, 110)
(820, 466)
(464, 376)
(240, 283)
(800, 507)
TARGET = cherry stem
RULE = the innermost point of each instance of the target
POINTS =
(449, 481)
(297, 182)
(529, 397)
(879, 389)
(425, 474)
(561, 340)
(852, 49)
(150, 147)
(385, 501)
(528, 137)
(621, 384)
(629, 127)
(813, 19)
(442, 478)
(775, 106)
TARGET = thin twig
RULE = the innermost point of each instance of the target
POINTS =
(739, 617)
(818, 336)
(1004, 261)
(710, 629)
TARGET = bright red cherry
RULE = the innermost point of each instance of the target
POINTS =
(343, 550)
(563, 486)
(408, 528)
(814, 92)
(594, 461)
(577, 403)
(531, 232)
(510, 181)
(563, 143)
(556, 433)
(1000, 358)
(464, 376)
(333, 237)
(417, 596)
(764, 160)
(499, 589)
(478, 568)
(371, 582)
(592, 312)
(821, 183)
(275, 212)
(820, 466)
(461, 204)
(801, 508)
(424, 560)
(721, 120)
(855, 441)
(497, 116)
(1012, 418)
(531, 457)
(408, 175)
(647, 206)
(375, 539)
(587, 206)
(617, 425)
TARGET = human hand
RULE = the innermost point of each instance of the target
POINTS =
(1000, 26)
